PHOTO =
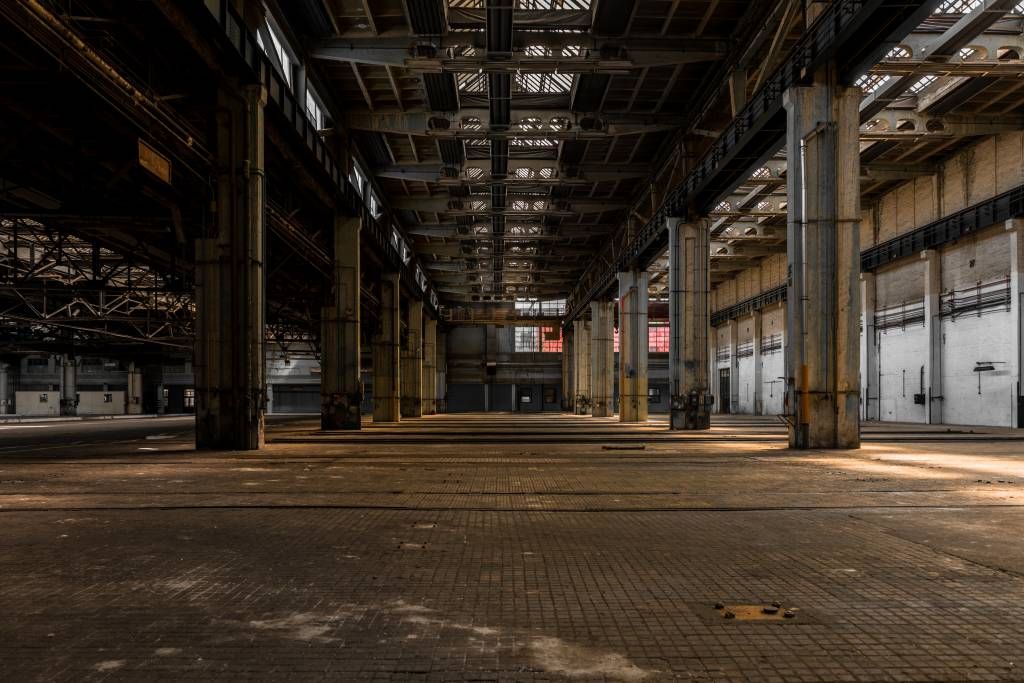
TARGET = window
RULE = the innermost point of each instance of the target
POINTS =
(190, 398)
(276, 50)
(108, 398)
(314, 111)
(527, 339)
(551, 339)
(658, 335)
(357, 178)
(956, 6)
(654, 394)
(44, 398)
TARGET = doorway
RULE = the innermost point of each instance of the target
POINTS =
(724, 391)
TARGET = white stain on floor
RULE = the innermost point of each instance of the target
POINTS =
(557, 656)
(109, 665)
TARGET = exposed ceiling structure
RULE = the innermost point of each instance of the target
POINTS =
(513, 137)
(954, 78)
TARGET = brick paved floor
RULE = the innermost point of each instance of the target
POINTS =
(350, 558)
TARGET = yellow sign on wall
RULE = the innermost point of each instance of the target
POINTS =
(154, 162)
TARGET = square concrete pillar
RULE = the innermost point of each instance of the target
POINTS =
(689, 268)
(5, 397)
(734, 367)
(933, 332)
(341, 387)
(1016, 228)
(756, 329)
(869, 379)
(602, 358)
(69, 385)
(230, 292)
(581, 367)
(823, 316)
(633, 346)
(442, 372)
(133, 398)
(386, 352)
(568, 363)
(412, 363)
(429, 366)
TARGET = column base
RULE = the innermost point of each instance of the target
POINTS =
(684, 420)
(412, 407)
(340, 411)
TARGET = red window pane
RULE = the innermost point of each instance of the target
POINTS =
(658, 338)
(551, 339)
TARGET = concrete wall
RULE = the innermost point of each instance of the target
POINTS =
(37, 403)
(484, 372)
(96, 403)
(977, 265)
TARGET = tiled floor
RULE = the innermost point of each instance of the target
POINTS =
(510, 548)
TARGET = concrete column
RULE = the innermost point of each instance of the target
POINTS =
(715, 389)
(270, 397)
(386, 349)
(581, 366)
(442, 372)
(633, 346)
(568, 382)
(755, 325)
(823, 316)
(689, 269)
(429, 366)
(341, 387)
(868, 349)
(68, 385)
(134, 397)
(734, 367)
(5, 397)
(602, 357)
(230, 292)
(1016, 228)
(412, 363)
(933, 332)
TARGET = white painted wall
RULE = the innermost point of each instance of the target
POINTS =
(92, 403)
(967, 340)
(773, 366)
(901, 355)
(974, 173)
(28, 403)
